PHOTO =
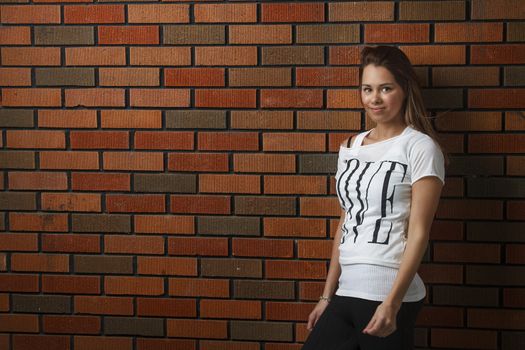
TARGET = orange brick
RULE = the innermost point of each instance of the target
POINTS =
(164, 140)
(260, 34)
(71, 202)
(133, 285)
(147, 203)
(71, 324)
(397, 33)
(197, 328)
(359, 11)
(348, 98)
(34, 14)
(304, 142)
(96, 56)
(435, 54)
(503, 9)
(15, 76)
(39, 262)
(37, 180)
(131, 119)
(160, 56)
(158, 13)
(166, 266)
(286, 269)
(11, 35)
(34, 97)
(515, 165)
(497, 54)
(274, 248)
(38, 222)
(299, 184)
(10, 282)
(19, 242)
(193, 77)
(497, 143)
(514, 121)
(264, 163)
(198, 246)
(35, 139)
(236, 309)
(133, 161)
(100, 182)
(284, 311)
(85, 342)
(19, 323)
(200, 204)
(95, 97)
(129, 76)
(61, 284)
(496, 98)
(229, 183)
(333, 76)
(468, 32)
(195, 287)
(344, 55)
(70, 243)
(232, 13)
(98, 13)
(228, 141)
(67, 118)
(230, 98)
(159, 97)
(133, 244)
(103, 305)
(69, 160)
(226, 56)
(99, 140)
(291, 98)
(291, 12)
(205, 162)
(128, 35)
(164, 224)
(314, 249)
(294, 227)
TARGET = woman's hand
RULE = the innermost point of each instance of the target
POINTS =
(316, 313)
(383, 323)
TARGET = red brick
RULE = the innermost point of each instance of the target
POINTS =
(261, 119)
(496, 143)
(60, 284)
(468, 32)
(503, 9)
(35, 139)
(497, 54)
(98, 13)
(298, 184)
(128, 35)
(310, 290)
(286, 269)
(160, 56)
(318, 206)
(41, 342)
(229, 98)
(260, 34)
(505, 319)
(513, 297)
(515, 210)
(70, 202)
(5, 341)
(69, 160)
(96, 56)
(103, 343)
(131, 119)
(359, 11)
(291, 12)
(514, 121)
(397, 33)
(193, 77)
(470, 209)
(515, 165)
(19, 323)
(466, 252)
(200, 204)
(158, 13)
(146, 203)
(18, 282)
(232, 13)
(99, 140)
(344, 55)
(37, 181)
(34, 97)
(133, 244)
(70, 243)
(291, 98)
(38, 222)
(229, 183)
(99, 305)
(133, 285)
(264, 163)
(464, 339)
(229, 345)
(165, 344)
(100, 182)
(34, 14)
(71, 324)
(19, 242)
(164, 140)
(274, 248)
(294, 227)
(236, 309)
(469, 121)
(159, 98)
(198, 246)
(166, 307)
(4, 302)
(226, 56)
(305, 142)
(348, 98)
(441, 273)
(283, 311)
(515, 254)
(166, 266)
(199, 287)
(95, 97)
(435, 54)
(199, 162)
(331, 76)
(314, 249)
(228, 141)
(496, 98)
(15, 76)
(197, 328)
(156, 224)
(134, 161)
(67, 118)
(446, 230)
(39, 262)
(441, 316)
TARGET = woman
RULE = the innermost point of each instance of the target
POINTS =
(388, 182)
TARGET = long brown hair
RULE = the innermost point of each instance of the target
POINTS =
(398, 64)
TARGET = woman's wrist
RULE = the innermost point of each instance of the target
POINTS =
(325, 298)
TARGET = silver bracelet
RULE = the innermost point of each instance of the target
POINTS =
(324, 298)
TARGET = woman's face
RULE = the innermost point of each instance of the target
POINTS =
(381, 96)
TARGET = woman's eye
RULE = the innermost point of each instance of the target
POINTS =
(386, 89)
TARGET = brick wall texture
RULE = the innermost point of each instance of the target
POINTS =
(167, 168)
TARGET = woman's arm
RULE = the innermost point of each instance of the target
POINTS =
(424, 203)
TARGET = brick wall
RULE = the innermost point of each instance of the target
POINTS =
(167, 168)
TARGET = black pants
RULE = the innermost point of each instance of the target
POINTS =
(340, 327)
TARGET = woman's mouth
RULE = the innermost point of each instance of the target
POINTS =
(376, 109)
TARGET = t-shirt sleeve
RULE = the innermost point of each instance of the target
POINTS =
(427, 160)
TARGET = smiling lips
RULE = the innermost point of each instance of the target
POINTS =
(377, 109)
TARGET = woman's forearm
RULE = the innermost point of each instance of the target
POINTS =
(334, 270)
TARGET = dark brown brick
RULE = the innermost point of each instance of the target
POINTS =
(475, 165)
(317, 163)
(465, 76)
(514, 76)
(260, 77)
(64, 35)
(40, 342)
(164, 344)
(228, 225)
(134, 326)
(502, 9)
(495, 187)
(16, 118)
(65, 76)
(512, 340)
(261, 119)
(328, 120)
(17, 160)
(487, 318)
(516, 31)
(17, 201)
(261, 205)
(443, 98)
(431, 10)
(327, 33)
(493, 231)
(292, 55)
(231, 268)
(196, 119)
(71, 324)
(170, 183)
(496, 275)
(263, 331)
(101, 223)
(465, 296)
(192, 34)
(464, 338)
(103, 264)
(247, 289)
(41, 303)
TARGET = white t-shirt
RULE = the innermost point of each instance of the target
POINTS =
(374, 185)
